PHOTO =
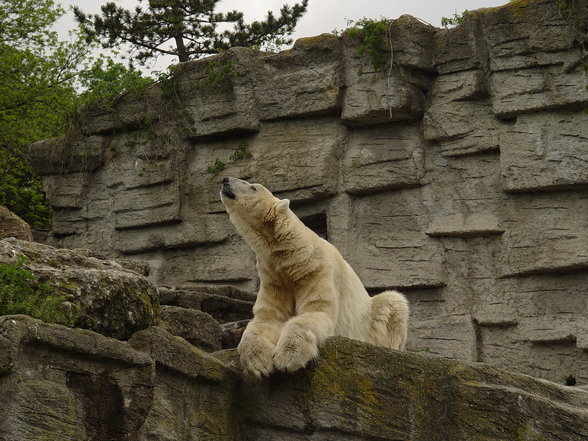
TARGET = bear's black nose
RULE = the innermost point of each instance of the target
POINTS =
(225, 180)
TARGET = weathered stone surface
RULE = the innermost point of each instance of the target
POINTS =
(453, 337)
(460, 116)
(127, 112)
(224, 307)
(205, 230)
(58, 156)
(390, 94)
(66, 191)
(522, 91)
(540, 27)
(358, 392)
(372, 97)
(216, 96)
(545, 152)
(464, 225)
(177, 354)
(111, 300)
(306, 80)
(70, 384)
(77, 385)
(545, 233)
(197, 327)
(381, 159)
(147, 206)
(205, 264)
(12, 225)
(295, 158)
(391, 249)
(468, 197)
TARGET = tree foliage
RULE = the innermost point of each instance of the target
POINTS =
(457, 19)
(39, 81)
(191, 26)
(35, 93)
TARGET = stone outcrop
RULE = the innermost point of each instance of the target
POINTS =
(103, 296)
(12, 225)
(71, 384)
(458, 176)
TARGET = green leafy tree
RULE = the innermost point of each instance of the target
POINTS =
(191, 26)
(106, 80)
(36, 91)
(39, 81)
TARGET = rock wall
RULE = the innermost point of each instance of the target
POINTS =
(458, 176)
(12, 225)
(62, 384)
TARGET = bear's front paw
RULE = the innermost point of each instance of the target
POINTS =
(256, 355)
(295, 348)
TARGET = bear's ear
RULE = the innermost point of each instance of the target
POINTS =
(283, 205)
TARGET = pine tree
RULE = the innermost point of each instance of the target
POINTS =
(191, 26)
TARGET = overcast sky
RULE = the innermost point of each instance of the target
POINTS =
(321, 16)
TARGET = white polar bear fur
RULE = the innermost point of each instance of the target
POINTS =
(307, 293)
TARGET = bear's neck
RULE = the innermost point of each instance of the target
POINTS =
(287, 239)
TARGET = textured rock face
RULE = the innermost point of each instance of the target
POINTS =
(460, 178)
(13, 226)
(108, 298)
(59, 383)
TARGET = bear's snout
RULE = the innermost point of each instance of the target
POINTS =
(226, 189)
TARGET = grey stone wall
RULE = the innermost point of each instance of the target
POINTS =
(459, 176)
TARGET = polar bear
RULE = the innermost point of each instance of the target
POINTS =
(307, 292)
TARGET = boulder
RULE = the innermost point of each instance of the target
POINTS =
(69, 384)
(360, 392)
(106, 297)
(223, 305)
(12, 225)
(198, 327)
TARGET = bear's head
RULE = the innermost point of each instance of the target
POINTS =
(253, 209)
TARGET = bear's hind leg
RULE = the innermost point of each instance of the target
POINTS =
(389, 324)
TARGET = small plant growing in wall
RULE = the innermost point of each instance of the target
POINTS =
(218, 76)
(457, 19)
(242, 152)
(371, 36)
(216, 168)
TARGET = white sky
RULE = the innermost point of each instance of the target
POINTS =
(321, 16)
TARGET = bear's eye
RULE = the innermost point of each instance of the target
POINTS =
(253, 188)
